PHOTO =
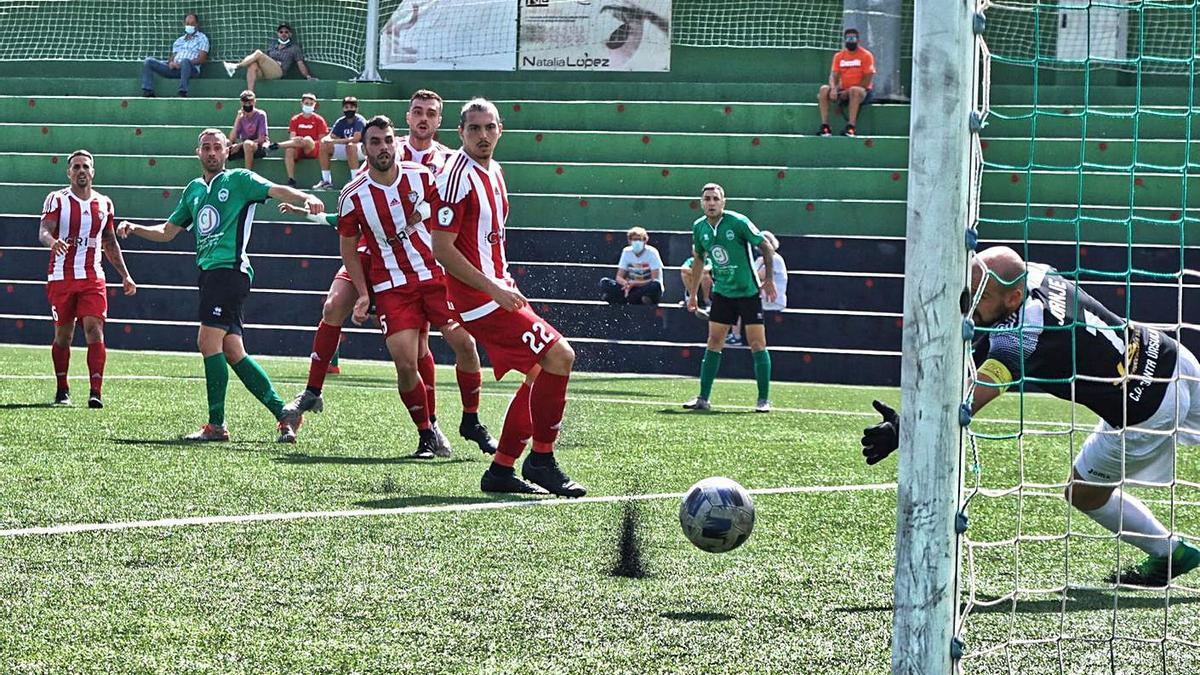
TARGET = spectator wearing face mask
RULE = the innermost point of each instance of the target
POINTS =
(849, 83)
(342, 143)
(306, 128)
(639, 273)
(187, 53)
(274, 63)
(249, 135)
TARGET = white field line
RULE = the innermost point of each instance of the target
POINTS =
(405, 510)
(1087, 426)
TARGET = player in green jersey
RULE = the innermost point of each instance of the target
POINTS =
(219, 208)
(725, 239)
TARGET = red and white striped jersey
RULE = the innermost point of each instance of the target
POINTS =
(400, 254)
(80, 224)
(474, 205)
(434, 156)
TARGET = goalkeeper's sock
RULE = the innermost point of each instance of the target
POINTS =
(1137, 525)
(469, 386)
(327, 175)
(216, 381)
(518, 427)
(427, 368)
(709, 366)
(95, 361)
(255, 378)
(417, 404)
(324, 351)
(762, 373)
(62, 364)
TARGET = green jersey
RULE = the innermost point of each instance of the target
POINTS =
(728, 247)
(223, 213)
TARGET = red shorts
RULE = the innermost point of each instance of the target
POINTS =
(363, 259)
(411, 307)
(513, 340)
(77, 298)
(301, 154)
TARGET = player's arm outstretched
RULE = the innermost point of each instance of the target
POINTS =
(161, 233)
(312, 204)
(330, 219)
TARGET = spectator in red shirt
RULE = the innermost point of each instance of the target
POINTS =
(849, 83)
(307, 128)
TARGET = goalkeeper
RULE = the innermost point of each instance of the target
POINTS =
(1140, 382)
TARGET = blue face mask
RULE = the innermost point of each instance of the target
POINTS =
(189, 29)
(637, 245)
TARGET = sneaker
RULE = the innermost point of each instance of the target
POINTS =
(62, 397)
(732, 339)
(442, 447)
(1156, 571)
(94, 400)
(287, 430)
(507, 481)
(478, 434)
(426, 446)
(763, 406)
(230, 68)
(550, 477)
(333, 370)
(291, 182)
(849, 130)
(148, 93)
(182, 94)
(209, 432)
(698, 403)
(305, 401)
(825, 130)
(323, 185)
(272, 145)
(702, 313)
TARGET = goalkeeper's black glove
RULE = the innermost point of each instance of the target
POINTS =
(881, 440)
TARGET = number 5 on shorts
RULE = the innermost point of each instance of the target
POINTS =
(537, 342)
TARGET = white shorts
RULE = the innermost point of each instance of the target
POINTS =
(339, 151)
(1148, 452)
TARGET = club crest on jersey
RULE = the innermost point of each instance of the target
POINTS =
(729, 235)
(445, 216)
(720, 255)
(223, 195)
(493, 237)
(208, 220)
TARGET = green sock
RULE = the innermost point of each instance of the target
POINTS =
(255, 378)
(762, 373)
(216, 379)
(334, 360)
(709, 366)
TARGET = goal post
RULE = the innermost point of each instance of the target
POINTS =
(939, 191)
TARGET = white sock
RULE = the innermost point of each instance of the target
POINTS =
(1130, 514)
(327, 175)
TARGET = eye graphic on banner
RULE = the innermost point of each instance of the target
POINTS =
(567, 35)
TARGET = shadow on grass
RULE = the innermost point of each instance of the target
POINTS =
(436, 500)
(1078, 600)
(697, 616)
(24, 406)
(297, 458)
(183, 442)
(703, 413)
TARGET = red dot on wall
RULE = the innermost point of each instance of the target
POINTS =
(781, 175)
(895, 175)
(608, 238)
(521, 271)
(983, 145)
(128, 329)
(1139, 182)
(137, 132)
(1015, 178)
(1174, 215)
(778, 318)
(870, 142)
(54, 159)
(124, 104)
(685, 353)
(658, 313)
(899, 323)
(869, 283)
(516, 107)
(287, 230)
(755, 141)
(112, 292)
(537, 138)
(1066, 111)
(728, 110)
(646, 140)
(45, 131)
(693, 205)
(1120, 292)
(166, 194)
(837, 243)
(220, 105)
(9, 288)
(1050, 213)
(620, 107)
(32, 103)
(20, 324)
(559, 171)
(807, 358)
(810, 206)
(583, 202)
(1083, 252)
(304, 264)
(666, 172)
(152, 161)
(1103, 147)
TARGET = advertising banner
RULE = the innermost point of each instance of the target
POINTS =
(595, 35)
(450, 35)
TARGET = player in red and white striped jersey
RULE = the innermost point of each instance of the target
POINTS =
(424, 117)
(468, 240)
(77, 223)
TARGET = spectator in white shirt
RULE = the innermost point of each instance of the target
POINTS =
(639, 273)
(781, 278)
(187, 53)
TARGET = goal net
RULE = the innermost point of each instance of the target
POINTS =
(1093, 173)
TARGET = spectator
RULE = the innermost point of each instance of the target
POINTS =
(639, 273)
(275, 62)
(849, 83)
(705, 291)
(781, 279)
(342, 143)
(306, 129)
(249, 135)
(189, 51)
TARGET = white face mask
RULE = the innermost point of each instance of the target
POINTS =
(308, 108)
(283, 42)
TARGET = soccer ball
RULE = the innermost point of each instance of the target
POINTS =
(717, 515)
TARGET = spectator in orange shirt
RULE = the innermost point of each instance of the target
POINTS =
(849, 83)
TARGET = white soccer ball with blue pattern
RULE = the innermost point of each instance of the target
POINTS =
(717, 515)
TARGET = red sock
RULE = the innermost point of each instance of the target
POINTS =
(469, 385)
(95, 360)
(428, 370)
(325, 343)
(418, 407)
(547, 401)
(62, 363)
(518, 427)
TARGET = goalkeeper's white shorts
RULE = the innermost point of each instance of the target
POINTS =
(1147, 454)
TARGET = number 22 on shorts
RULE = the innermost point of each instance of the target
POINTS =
(539, 341)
